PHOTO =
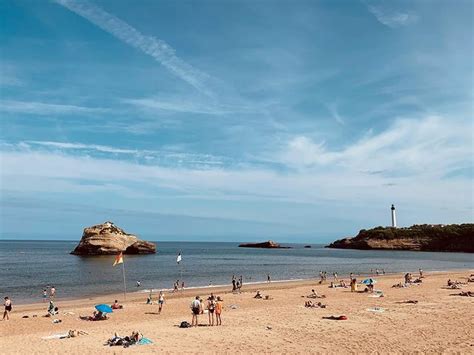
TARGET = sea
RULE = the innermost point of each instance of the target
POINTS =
(27, 267)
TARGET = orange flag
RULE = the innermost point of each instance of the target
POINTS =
(118, 259)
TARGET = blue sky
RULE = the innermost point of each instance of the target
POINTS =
(234, 120)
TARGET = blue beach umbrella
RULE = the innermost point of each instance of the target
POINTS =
(369, 281)
(104, 308)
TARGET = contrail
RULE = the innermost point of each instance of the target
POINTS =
(156, 48)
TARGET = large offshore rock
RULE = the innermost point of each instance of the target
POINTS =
(270, 244)
(425, 237)
(108, 239)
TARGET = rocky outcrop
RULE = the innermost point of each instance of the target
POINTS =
(108, 239)
(426, 237)
(270, 244)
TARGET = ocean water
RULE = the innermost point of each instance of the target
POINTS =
(26, 267)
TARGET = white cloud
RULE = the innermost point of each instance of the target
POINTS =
(430, 146)
(392, 18)
(156, 48)
(181, 104)
(80, 146)
(408, 161)
(166, 157)
(41, 108)
(332, 108)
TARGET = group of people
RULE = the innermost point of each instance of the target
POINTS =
(237, 283)
(176, 286)
(160, 301)
(51, 295)
(213, 307)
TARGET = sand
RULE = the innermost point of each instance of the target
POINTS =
(438, 323)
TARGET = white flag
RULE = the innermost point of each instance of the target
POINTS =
(178, 259)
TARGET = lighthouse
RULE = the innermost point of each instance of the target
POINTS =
(394, 217)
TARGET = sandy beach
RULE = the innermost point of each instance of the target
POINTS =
(439, 322)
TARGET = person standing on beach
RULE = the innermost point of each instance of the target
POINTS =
(195, 309)
(161, 300)
(234, 287)
(353, 284)
(335, 276)
(45, 295)
(211, 306)
(139, 283)
(52, 292)
(268, 278)
(218, 311)
(8, 308)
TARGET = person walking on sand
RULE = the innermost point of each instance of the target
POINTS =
(195, 309)
(218, 311)
(335, 276)
(8, 308)
(161, 300)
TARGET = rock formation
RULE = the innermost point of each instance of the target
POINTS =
(270, 244)
(426, 237)
(108, 239)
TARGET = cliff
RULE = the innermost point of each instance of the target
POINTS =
(450, 238)
(108, 239)
(270, 244)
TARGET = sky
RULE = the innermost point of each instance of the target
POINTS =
(298, 121)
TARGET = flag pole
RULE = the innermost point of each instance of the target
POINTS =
(124, 284)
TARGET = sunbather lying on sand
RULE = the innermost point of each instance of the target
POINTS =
(465, 293)
(314, 294)
(310, 304)
(258, 295)
(116, 305)
(95, 316)
(126, 341)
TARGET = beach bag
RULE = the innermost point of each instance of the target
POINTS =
(185, 324)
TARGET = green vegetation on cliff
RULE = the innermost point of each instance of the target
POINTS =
(425, 237)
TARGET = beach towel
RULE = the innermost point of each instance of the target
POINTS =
(144, 341)
(56, 336)
(376, 310)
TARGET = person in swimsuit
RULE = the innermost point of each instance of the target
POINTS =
(196, 309)
(211, 306)
(53, 292)
(45, 295)
(218, 311)
(8, 308)
(161, 300)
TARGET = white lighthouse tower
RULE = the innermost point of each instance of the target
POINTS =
(394, 217)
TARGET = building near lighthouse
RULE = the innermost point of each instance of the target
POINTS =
(394, 217)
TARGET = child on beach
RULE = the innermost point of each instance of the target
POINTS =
(8, 308)
(45, 295)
